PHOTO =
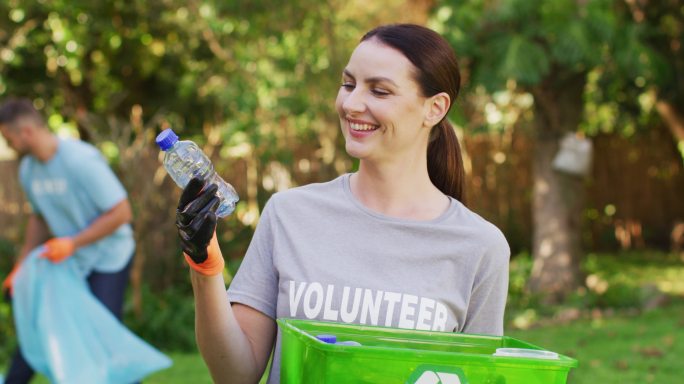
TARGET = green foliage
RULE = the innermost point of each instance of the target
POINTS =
(527, 41)
(625, 281)
(639, 268)
(7, 254)
(167, 320)
(543, 42)
(7, 334)
(252, 86)
(519, 273)
(195, 63)
(618, 295)
(523, 60)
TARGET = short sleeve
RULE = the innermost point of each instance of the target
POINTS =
(256, 281)
(98, 180)
(490, 290)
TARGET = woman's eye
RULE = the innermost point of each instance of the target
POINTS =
(380, 92)
(348, 86)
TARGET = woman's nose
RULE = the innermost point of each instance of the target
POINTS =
(354, 102)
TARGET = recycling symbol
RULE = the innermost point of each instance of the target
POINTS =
(429, 377)
(426, 374)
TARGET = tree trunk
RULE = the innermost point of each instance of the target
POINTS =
(558, 201)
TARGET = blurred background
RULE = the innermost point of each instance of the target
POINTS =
(571, 116)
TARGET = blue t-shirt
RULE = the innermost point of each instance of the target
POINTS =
(70, 191)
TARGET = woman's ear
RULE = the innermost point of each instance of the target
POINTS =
(437, 107)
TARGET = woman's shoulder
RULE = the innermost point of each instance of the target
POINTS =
(487, 231)
(309, 193)
(314, 196)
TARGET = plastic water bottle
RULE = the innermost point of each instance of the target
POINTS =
(184, 160)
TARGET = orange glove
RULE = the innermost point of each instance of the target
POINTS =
(214, 263)
(7, 284)
(57, 250)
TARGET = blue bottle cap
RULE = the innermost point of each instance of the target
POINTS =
(166, 139)
(330, 339)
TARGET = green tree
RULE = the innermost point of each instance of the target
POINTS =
(252, 82)
(548, 49)
(665, 22)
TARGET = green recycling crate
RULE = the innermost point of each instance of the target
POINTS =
(391, 355)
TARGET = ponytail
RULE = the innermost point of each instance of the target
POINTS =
(445, 163)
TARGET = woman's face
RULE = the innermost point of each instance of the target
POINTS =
(382, 111)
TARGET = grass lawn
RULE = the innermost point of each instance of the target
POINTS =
(646, 348)
(186, 368)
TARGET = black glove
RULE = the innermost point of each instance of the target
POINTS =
(196, 218)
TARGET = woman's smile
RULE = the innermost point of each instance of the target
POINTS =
(360, 129)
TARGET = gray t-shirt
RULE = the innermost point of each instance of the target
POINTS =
(319, 254)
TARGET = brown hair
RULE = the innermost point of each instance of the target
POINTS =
(14, 109)
(438, 72)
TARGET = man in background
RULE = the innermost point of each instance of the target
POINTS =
(79, 208)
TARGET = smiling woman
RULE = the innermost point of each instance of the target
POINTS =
(392, 244)
(380, 106)
(425, 66)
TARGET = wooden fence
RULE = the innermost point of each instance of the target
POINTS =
(635, 195)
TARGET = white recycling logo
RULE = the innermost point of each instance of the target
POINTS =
(429, 377)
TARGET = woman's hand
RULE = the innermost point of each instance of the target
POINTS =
(196, 223)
